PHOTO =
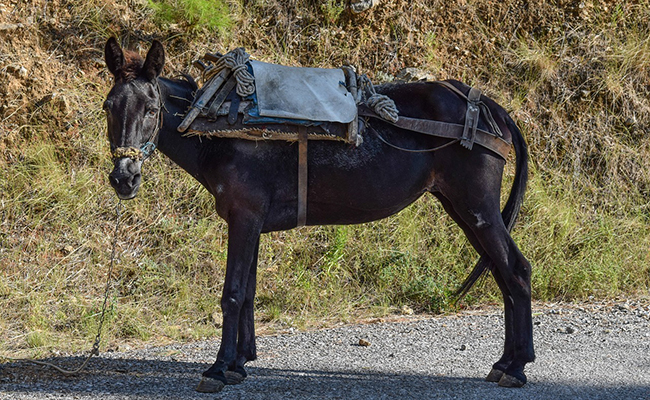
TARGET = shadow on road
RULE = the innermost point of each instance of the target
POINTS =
(168, 379)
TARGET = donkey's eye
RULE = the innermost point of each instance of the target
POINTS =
(151, 112)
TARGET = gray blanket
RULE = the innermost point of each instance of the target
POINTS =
(314, 94)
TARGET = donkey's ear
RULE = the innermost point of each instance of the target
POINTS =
(153, 64)
(114, 56)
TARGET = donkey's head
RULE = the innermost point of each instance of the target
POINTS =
(133, 112)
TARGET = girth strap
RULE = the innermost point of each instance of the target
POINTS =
(302, 176)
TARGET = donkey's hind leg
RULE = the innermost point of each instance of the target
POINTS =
(513, 277)
(499, 368)
(473, 199)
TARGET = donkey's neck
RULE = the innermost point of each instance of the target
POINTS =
(177, 96)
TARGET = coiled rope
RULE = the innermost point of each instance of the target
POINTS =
(235, 60)
(383, 105)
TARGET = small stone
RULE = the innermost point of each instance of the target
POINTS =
(630, 123)
(364, 343)
(411, 74)
(23, 73)
(362, 5)
(10, 27)
(569, 330)
(406, 310)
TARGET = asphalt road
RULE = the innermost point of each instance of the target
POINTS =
(588, 351)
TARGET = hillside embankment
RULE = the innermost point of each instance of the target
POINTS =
(574, 75)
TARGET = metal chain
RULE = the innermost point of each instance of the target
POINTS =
(95, 349)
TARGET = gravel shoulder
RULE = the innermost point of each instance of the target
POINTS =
(584, 351)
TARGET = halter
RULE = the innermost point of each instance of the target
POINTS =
(147, 149)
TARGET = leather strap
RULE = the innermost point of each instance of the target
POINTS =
(221, 95)
(235, 101)
(445, 130)
(485, 109)
(200, 102)
(302, 176)
(471, 118)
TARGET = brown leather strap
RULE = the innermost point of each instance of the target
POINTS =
(484, 108)
(221, 95)
(200, 103)
(445, 130)
(302, 176)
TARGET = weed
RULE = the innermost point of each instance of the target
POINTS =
(212, 15)
(332, 10)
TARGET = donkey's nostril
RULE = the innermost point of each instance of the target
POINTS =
(113, 180)
(133, 181)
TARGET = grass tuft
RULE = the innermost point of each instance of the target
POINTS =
(212, 15)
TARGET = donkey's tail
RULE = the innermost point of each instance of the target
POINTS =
(512, 207)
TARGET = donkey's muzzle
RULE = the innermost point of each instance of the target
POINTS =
(125, 178)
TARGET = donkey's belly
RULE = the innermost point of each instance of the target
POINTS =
(346, 214)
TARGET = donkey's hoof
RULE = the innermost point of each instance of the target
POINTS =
(210, 385)
(234, 378)
(510, 381)
(494, 375)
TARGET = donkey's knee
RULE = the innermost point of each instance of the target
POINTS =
(231, 304)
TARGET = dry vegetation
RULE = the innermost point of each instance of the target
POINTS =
(575, 75)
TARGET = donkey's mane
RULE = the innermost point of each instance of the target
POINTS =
(133, 63)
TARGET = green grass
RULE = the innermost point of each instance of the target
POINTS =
(580, 96)
(212, 15)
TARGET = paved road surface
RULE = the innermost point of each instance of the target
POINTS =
(588, 351)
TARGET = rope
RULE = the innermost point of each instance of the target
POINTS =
(235, 60)
(383, 105)
(95, 349)
(130, 152)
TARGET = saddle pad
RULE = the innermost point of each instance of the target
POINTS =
(313, 94)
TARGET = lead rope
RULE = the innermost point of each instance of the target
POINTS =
(95, 349)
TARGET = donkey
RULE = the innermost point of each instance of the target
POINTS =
(254, 185)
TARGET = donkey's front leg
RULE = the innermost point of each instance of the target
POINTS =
(244, 232)
(246, 349)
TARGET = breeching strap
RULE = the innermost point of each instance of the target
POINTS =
(446, 130)
(302, 176)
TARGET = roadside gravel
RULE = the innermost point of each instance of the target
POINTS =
(584, 351)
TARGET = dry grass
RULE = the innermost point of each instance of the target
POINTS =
(576, 78)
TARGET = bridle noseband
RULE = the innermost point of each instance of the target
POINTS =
(147, 149)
